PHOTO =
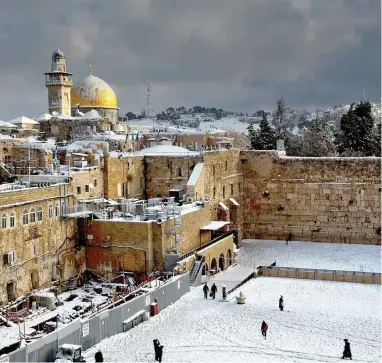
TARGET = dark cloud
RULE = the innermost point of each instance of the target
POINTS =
(241, 54)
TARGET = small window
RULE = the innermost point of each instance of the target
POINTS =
(239, 187)
(179, 172)
(39, 214)
(213, 170)
(226, 165)
(231, 189)
(214, 192)
(3, 221)
(78, 190)
(128, 166)
(12, 220)
(34, 250)
(25, 217)
(95, 182)
(63, 206)
(57, 210)
(32, 215)
(86, 188)
(50, 211)
(223, 192)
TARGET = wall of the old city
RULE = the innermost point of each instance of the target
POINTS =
(39, 244)
(316, 199)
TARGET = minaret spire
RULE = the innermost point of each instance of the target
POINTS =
(90, 69)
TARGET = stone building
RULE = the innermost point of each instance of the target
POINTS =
(37, 245)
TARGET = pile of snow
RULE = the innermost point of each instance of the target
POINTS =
(22, 120)
(86, 146)
(92, 115)
(318, 315)
(43, 117)
(331, 256)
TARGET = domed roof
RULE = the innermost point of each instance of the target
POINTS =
(93, 92)
(58, 53)
(167, 150)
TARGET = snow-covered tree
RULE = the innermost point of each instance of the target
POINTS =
(318, 140)
(281, 121)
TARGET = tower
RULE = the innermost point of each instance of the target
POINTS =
(59, 84)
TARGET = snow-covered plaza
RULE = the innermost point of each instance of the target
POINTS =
(318, 315)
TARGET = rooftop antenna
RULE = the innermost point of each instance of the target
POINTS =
(148, 111)
(363, 94)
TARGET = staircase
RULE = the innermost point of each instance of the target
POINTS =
(196, 270)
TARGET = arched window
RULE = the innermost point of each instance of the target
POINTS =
(25, 217)
(50, 211)
(39, 214)
(32, 215)
(12, 220)
(3, 221)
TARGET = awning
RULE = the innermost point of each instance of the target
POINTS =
(233, 201)
(214, 225)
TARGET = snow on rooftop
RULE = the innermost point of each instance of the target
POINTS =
(92, 115)
(167, 150)
(43, 117)
(7, 125)
(5, 137)
(195, 174)
(23, 120)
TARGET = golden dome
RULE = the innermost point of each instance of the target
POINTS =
(93, 92)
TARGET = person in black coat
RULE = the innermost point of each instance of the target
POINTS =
(156, 350)
(264, 328)
(347, 352)
(205, 290)
(160, 352)
(281, 303)
(214, 289)
(98, 356)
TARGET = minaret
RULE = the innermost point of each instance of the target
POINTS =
(59, 84)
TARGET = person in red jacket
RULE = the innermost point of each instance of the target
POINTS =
(264, 328)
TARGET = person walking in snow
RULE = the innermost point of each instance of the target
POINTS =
(98, 356)
(205, 290)
(281, 303)
(286, 240)
(156, 349)
(214, 289)
(264, 328)
(160, 352)
(347, 352)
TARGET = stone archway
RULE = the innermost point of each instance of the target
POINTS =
(11, 291)
(229, 257)
(221, 262)
(205, 269)
(214, 266)
(35, 279)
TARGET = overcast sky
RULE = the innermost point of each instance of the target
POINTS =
(231, 54)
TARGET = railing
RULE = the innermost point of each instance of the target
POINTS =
(200, 268)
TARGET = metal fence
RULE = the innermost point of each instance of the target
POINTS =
(320, 274)
(105, 324)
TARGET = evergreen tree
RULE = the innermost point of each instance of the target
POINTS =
(252, 136)
(294, 144)
(264, 139)
(319, 140)
(358, 136)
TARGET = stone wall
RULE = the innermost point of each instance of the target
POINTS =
(87, 184)
(38, 245)
(224, 180)
(316, 199)
(128, 170)
(165, 173)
